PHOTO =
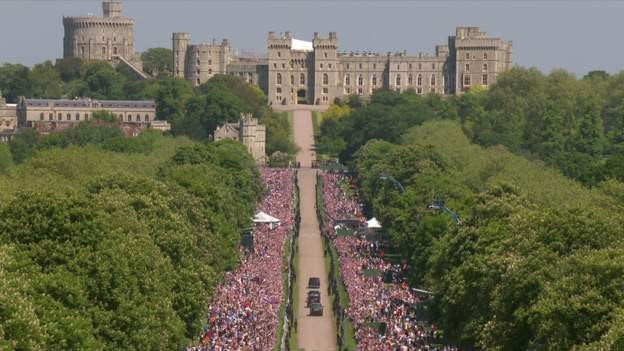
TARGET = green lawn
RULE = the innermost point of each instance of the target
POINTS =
(316, 122)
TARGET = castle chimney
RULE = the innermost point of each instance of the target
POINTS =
(112, 8)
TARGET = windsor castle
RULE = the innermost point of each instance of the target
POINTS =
(301, 72)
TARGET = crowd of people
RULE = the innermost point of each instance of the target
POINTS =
(372, 302)
(243, 314)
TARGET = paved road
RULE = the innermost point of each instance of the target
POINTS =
(313, 333)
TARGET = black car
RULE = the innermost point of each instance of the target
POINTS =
(314, 296)
(316, 309)
(314, 283)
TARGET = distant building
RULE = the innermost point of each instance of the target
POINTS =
(48, 115)
(163, 126)
(8, 120)
(249, 132)
(301, 72)
(108, 38)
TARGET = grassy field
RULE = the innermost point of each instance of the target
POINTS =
(316, 122)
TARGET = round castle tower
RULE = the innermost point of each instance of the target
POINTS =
(101, 38)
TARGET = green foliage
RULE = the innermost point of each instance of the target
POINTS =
(14, 81)
(171, 98)
(279, 129)
(123, 251)
(46, 81)
(157, 62)
(535, 263)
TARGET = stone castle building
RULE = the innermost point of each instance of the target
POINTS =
(49, 115)
(301, 72)
(108, 38)
(8, 120)
(249, 132)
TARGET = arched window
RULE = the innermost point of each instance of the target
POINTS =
(198, 81)
(485, 67)
(325, 79)
(129, 118)
(433, 80)
(325, 55)
(86, 116)
(147, 118)
(374, 80)
(51, 116)
(59, 116)
(292, 79)
(138, 118)
(485, 56)
(398, 79)
(467, 68)
(347, 80)
(419, 79)
(410, 80)
(77, 116)
(68, 116)
(279, 78)
(302, 79)
(41, 116)
(360, 80)
(115, 50)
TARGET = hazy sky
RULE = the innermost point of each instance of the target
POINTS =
(574, 35)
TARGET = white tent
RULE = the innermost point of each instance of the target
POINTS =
(373, 223)
(262, 217)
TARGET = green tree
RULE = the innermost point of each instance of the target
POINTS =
(171, 98)
(157, 62)
(103, 81)
(15, 82)
(46, 81)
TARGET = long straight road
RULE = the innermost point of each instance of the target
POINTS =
(313, 333)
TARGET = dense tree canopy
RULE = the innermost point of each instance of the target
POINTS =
(157, 62)
(126, 246)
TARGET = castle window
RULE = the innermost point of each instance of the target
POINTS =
(360, 66)
(419, 79)
(410, 80)
(433, 80)
(198, 62)
(485, 79)
(59, 116)
(41, 116)
(467, 56)
(325, 79)
(278, 90)
(433, 66)
(198, 81)
(86, 116)
(279, 54)
(129, 118)
(292, 79)
(147, 118)
(69, 116)
(325, 91)
(398, 80)
(115, 50)
(360, 91)
(410, 66)
(467, 79)
(325, 55)
(374, 66)
(104, 50)
(360, 80)
(347, 80)
(485, 67)
(398, 66)
(485, 56)
(419, 91)
(51, 116)
(467, 68)
(283, 65)
(77, 116)
(115, 39)
(197, 71)
(374, 80)
(275, 65)
(321, 66)
(347, 66)
(210, 62)
(279, 78)
(209, 70)
(329, 64)
(302, 79)
(82, 51)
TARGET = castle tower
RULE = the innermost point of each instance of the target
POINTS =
(180, 46)
(326, 72)
(279, 54)
(112, 8)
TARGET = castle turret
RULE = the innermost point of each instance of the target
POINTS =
(326, 68)
(112, 8)
(180, 46)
